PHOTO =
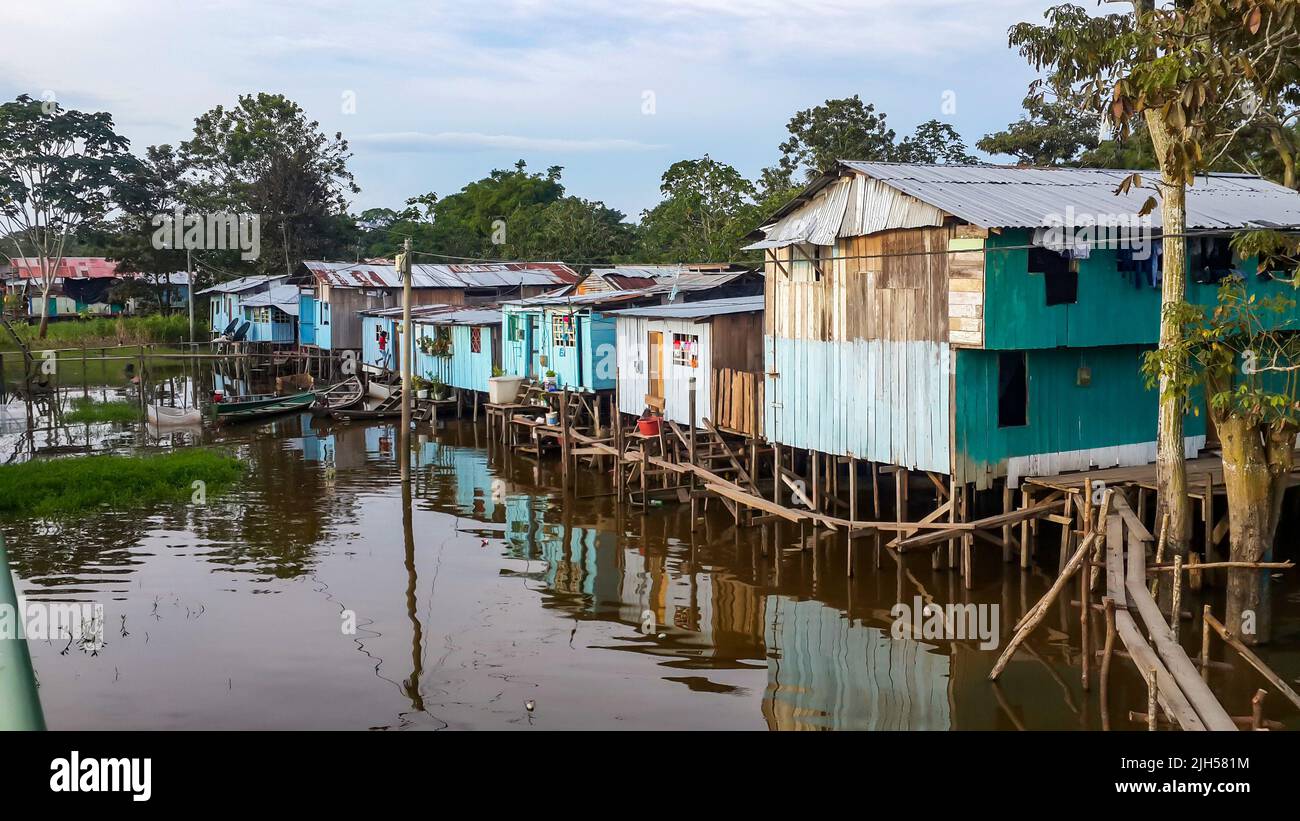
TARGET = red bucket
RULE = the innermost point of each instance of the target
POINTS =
(648, 427)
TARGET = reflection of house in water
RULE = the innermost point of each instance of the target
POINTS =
(828, 673)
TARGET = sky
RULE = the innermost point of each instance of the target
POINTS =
(432, 95)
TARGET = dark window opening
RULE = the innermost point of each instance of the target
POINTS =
(1209, 259)
(1062, 288)
(1046, 261)
(1013, 390)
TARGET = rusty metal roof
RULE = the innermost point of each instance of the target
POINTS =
(468, 275)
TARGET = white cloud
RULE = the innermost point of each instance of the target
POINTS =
(547, 77)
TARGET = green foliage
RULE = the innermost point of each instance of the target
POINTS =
(86, 409)
(58, 170)
(1048, 134)
(708, 208)
(263, 156)
(932, 142)
(1241, 350)
(136, 330)
(64, 486)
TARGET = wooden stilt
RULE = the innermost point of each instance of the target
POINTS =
(853, 509)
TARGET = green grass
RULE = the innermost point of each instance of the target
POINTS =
(86, 409)
(101, 331)
(62, 486)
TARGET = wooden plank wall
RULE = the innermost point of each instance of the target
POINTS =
(858, 359)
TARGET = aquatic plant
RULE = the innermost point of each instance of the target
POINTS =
(71, 485)
(86, 409)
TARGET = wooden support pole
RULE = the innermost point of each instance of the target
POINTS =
(1108, 650)
(1039, 610)
(967, 540)
(1251, 659)
(1205, 643)
(1006, 528)
(1153, 692)
(1085, 616)
(564, 438)
(1026, 501)
(1175, 612)
(853, 510)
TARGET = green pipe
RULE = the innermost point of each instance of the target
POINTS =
(20, 704)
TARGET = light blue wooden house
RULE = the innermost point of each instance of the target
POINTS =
(225, 300)
(457, 344)
(273, 315)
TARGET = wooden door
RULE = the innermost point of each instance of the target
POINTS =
(655, 363)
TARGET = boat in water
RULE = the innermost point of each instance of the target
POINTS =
(163, 417)
(340, 396)
(240, 408)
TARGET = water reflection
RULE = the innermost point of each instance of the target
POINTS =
(476, 589)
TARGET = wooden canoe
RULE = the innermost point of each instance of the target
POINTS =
(256, 408)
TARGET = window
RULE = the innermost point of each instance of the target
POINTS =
(476, 340)
(514, 328)
(1061, 288)
(562, 331)
(1013, 390)
(1209, 259)
(686, 350)
(324, 313)
(808, 261)
(1046, 261)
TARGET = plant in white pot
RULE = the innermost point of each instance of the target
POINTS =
(503, 389)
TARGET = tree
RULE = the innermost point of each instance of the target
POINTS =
(1246, 355)
(58, 169)
(932, 142)
(708, 208)
(1196, 72)
(465, 224)
(571, 228)
(264, 157)
(153, 186)
(1049, 134)
(845, 129)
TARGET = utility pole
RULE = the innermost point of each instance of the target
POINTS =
(405, 353)
(189, 289)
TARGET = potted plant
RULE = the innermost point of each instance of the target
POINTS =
(421, 387)
(438, 388)
(549, 381)
(503, 389)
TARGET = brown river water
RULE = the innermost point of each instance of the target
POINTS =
(480, 590)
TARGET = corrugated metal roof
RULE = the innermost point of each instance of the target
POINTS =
(284, 297)
(696, 310)
(882, 196)
(444, 314)
(682, 283)
(69, 268)
(476, 275)
(1014, 197)
(235, 286)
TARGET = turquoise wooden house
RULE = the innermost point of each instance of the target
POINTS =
(225, 300)
(273, 315)
(572, 333)
(984, 322)
(459, 346)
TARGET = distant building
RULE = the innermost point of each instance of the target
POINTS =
(336, 293)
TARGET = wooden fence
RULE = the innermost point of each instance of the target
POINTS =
(737, 401)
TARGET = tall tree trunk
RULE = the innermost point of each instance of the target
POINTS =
(45, 312)
(1257, 460)
(1171, 466)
